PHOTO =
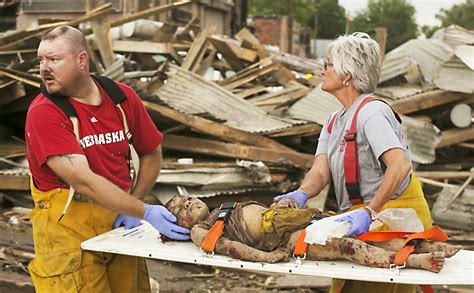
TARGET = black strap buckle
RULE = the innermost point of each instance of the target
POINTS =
(225, 211)
(353, 189)
(413, 242)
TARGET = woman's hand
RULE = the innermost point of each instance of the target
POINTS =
(298, 196)
(284, 203)
(360, 222)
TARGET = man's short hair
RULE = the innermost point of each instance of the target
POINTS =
(73, 37)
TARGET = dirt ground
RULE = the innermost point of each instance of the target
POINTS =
(179, 277)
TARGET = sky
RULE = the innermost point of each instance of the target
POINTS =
(426, 10)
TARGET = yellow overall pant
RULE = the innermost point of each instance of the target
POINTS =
(61, 266)
(414, 198)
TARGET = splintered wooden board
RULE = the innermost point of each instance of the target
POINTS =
(144, 241)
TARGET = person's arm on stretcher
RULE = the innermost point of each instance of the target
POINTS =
(239, 250)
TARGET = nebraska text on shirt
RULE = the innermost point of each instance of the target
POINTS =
(102, 138)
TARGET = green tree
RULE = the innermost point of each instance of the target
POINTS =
(397, 16)
(329, 14)
(303, 10)
(331, 19)
(460, 14)
(429, 30)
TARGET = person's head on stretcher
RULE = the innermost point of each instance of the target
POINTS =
(255, 232)
(188, 210)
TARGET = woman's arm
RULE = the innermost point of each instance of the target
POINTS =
(317, 177)
(239, 250)
(398, 168)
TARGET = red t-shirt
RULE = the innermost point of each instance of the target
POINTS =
(103, 141)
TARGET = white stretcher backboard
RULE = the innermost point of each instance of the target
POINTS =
(144, 241)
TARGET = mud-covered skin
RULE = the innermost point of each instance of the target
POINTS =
(239, 250)
(428, 255)
(369, 255)
(424, 246)
(188, 210)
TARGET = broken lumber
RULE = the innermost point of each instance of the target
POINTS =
(217, 129)
(454, 136)
(197, 50)
(209, 147)
(425, 101)
(101, 29)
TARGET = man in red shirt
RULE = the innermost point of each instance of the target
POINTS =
(96, 166)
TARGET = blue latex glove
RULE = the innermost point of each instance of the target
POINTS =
(360, 222)
(163, 221)
(298, 196)
(128, 222)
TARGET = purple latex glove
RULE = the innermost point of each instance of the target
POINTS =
(164, 221)
(298, 196)
(128, 222)
(360, 222)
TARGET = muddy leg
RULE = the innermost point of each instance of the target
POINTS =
(423, 246)
(350, 249)
(392, 245)
(330, 251)
(365, 254)
(426, 246)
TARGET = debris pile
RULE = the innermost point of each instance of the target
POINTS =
(241, 121)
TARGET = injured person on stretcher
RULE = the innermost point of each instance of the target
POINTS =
(254, 232)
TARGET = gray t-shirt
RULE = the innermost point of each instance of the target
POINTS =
(378, 131)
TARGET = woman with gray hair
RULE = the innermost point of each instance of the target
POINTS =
(361, 148)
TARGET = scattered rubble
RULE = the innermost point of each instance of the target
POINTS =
(241, 120)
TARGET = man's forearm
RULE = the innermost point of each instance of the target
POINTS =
(108, 195)
(150, 165)
(75, 171)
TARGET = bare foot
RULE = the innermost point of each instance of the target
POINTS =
(429, 246)
(433, 261)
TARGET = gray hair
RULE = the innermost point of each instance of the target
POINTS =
(71, 35)
(360, 56)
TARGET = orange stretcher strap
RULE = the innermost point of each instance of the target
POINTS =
(435, 234)
(380, 236)
(403, 254)
(300, 246)
(212, 236)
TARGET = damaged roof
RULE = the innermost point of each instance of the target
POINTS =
(190, 93)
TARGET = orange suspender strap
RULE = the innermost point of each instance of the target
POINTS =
(209, 243)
